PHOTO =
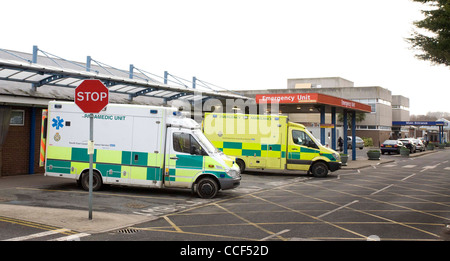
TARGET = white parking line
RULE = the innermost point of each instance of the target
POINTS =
(429, 167)
(382, 189)
(408, 177)
(75, 237)
(42, 234)
(276, 234)
(341, 207)
(409, 166)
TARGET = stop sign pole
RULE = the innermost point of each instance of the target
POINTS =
(91, 160)
(91, 96)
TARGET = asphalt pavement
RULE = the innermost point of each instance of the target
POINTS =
(28, 198)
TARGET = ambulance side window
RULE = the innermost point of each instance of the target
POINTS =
(185, 143)
(301, 138)
(196, 149)
(181, 142)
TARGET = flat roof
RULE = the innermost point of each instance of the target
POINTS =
(313, 99)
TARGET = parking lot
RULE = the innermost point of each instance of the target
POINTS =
(401, 199)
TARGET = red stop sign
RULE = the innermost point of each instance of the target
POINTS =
(91, 96)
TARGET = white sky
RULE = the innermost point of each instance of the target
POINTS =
(238, 44)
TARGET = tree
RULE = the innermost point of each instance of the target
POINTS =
(430, 116)
(360, 116)
(435, 45)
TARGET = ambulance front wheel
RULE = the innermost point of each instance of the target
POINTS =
(96, 181)
(207, 188)
(319, 169)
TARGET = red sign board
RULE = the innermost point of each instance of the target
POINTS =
(287, 98)
(311, 98)
(91, 96)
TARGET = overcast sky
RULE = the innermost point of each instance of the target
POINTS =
(238, 44)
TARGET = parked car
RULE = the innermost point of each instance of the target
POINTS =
(409, 143)
(391, 146)
(424, 141)
(359, 142)
(419, 144)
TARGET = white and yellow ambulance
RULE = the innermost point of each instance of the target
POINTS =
(135, 145)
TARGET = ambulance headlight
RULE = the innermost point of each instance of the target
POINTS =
(233, 173)
(336, 156)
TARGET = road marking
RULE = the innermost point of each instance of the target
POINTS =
(246, 220)
(276, 234)
(341, 207)
(42, 234)
(384, 202)
(308, 215)
(382, 189)
(408, 177)
(172, 224)
(409, 166)
(75, 237)
(429, 167)
(167, 209)
(447, 168)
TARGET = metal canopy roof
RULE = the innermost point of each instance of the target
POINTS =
(66, 74)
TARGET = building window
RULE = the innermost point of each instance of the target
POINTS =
(17, 118)
(372, 103)
(400, 107)
(384, 128)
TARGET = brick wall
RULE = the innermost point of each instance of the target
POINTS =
(15, 151)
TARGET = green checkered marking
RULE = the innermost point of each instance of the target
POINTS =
(189, 162)
(249, 152)
(232, 145)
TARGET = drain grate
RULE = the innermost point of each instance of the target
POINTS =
(127, 231)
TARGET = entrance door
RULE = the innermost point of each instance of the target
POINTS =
(184, 159)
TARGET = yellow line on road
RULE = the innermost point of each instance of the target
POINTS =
(172, 224)
(100, 193)
(313, 217)
(193, 233)
(33, 225)
(379, 201)
(249, 222)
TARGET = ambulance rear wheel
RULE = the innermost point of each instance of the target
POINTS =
(207, 188)
(319, 170)
(241, 165)
(96, 181)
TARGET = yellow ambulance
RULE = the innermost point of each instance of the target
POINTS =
(269, 142)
